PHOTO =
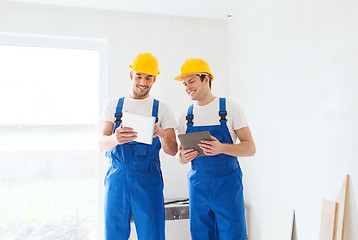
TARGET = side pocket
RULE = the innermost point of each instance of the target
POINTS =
(159, 172)
(191, 174)
(239, 174)
(157, 168)
(111, 173)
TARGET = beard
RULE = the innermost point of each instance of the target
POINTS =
(141, 93)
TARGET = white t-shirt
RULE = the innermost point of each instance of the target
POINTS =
(143, 107)
(209, 115)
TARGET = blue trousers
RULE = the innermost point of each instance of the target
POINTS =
(137, 194)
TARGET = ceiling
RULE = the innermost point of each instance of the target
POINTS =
(212, 9)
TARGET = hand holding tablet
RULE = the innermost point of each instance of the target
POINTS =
(191, 140)
(142, 125)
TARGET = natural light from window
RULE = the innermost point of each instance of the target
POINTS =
(52, 88)
(49, 102)
(48, 86)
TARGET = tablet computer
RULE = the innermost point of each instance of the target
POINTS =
(191, 140)
(143, 125)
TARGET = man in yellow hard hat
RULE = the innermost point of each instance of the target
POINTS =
(216, 202)
(134, 183)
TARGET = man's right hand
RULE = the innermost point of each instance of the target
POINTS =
(188, 154)
(124, 135)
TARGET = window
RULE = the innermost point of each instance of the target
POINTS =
(47, 94)
(48, 86)
(49, 101)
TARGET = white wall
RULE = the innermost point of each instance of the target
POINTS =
(294, 68)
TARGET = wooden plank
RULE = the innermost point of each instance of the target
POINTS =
(341, 204)
(278, 222)
(327, 220)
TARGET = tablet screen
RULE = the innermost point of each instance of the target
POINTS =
(143, 125)
(191, 140)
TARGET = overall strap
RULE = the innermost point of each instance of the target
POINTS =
(190, 116)
(155, 109)
(222, 112)
(118, 114)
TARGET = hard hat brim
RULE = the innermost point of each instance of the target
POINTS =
(180, 77)
(131, 67)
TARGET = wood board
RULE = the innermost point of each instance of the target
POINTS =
(328, 217)
(341, 204)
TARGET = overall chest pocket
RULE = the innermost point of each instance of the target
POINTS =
(141, 152)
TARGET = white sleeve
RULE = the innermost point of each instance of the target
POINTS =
(166, 117)
(238, 117)
(108, 111)
(182, 124)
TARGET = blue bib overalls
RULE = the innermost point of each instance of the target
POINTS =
(134, 188)
(216, 204)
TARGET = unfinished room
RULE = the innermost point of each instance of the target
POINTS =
(178, 120)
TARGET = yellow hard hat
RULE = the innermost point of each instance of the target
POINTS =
(194, 65)
(146, 63)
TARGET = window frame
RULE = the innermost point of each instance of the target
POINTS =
(69, 42)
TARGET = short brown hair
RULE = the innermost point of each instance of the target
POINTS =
(202, 77)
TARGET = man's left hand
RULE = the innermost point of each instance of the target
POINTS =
(158, 132)
(211, 148)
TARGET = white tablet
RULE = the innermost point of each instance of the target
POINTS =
(143, 125)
